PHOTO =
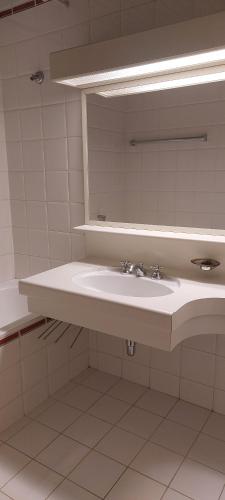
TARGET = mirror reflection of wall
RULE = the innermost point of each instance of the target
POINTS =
(166, 183)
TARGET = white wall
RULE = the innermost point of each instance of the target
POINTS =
(106, 154)
(6, 241)
(43, 124)
(43, 133)
(33, 368)
(194, 371)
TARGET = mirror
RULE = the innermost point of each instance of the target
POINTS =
(175, 175)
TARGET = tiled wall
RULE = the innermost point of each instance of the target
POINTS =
(43, 133)
(6, 241)
(106, 154)
(31, 368)
(194, 371)
(177, 184)
(43, 123)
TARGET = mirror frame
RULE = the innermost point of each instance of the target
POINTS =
(127, 225)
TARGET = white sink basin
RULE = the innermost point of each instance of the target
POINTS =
(122, 284)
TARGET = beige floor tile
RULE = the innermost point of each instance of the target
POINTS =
(59, 416)
(81, 397)
(140, 422)
(34, 482)
(109, 409)
(174, 436)
(120, 445)
(173, 495)
(134, 486)
(210, 452)
(33, 438)
(3, 497)
(97, 473)
(198, 482)
(63, 455)
(13, 429)
(11, 462)
(156, 402)
(215, 426)
(190, 415)
(88, 430)
(100, 381)
(127, 391)
(70, 491)
(157, 463)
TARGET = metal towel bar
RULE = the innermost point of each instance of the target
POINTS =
(202, 138)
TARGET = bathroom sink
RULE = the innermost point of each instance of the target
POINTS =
(121, 284)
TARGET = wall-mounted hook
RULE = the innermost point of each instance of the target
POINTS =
(38, 77)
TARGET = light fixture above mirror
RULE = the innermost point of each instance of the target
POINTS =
(184, 54)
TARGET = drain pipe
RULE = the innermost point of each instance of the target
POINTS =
(131, 347)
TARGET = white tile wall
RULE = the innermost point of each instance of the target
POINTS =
(31, 369)
(166, 184)
(194, 371)
(6, 243)
(43, 133)
(43, 124)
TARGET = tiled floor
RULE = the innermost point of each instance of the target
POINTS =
(103, 437)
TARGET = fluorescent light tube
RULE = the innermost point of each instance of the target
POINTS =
(202, 59)
(165, 84)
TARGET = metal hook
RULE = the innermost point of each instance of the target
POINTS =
(62, 334)
(38, 77)
(77, 336)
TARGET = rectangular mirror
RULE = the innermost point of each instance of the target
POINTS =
(157, 159)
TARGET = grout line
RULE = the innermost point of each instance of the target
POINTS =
(115, 425)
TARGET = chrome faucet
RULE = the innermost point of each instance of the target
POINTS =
(128, 268)
(156, 272)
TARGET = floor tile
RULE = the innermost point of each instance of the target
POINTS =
(209, 451)
(190, 415)
(140, 422)
(198, 482)
(34, 482)
(109, 409)
(79, 379)
(61, 393)
(97, 473)
(100, 381)
(156, 402)
(63, 455)
(215, 426)
(33, 438)
(174, 436)
(173, 495)
(59, 416)
(134, 486)
(120, 445)
(81, 397)
(11, 462)
(88, 430)
(70, 491)
(157, 462)
(127, 391)
(3, 497)
(221, 498)
(42, 407)
(13, 429)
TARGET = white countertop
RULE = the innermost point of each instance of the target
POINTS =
(190, 299)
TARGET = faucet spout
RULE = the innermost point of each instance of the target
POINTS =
(139, 271)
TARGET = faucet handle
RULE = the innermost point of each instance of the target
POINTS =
(156, 271)
(125, 266)
(141, 268)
